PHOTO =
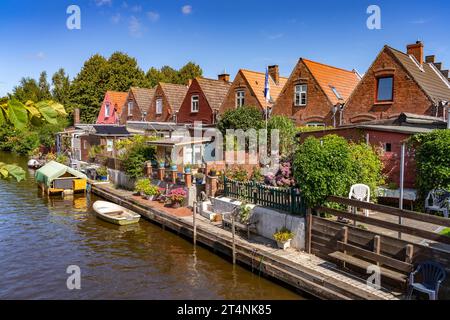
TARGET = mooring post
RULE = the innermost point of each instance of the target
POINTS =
(194, 209)
(233, 231)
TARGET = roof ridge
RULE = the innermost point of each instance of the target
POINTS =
(330, 66)
(262, 73)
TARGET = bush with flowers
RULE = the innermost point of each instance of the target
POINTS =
(283, 178)
(177, 196)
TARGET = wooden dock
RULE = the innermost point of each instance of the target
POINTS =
(298, 270)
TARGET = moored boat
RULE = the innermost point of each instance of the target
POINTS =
(114, 213)
(34, 164)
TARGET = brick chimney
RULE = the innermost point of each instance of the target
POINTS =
(416, 50)
(430, 59)
(224, 77)
(76, 116)
(274, 72)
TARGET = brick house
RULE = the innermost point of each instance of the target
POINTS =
(111, 107)
(137, 103)
(248, 89)
(166, 102)
(314, 93)
(387, 136)
(203, 100)
(399, 82)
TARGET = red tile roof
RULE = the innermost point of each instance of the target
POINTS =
(117, 99)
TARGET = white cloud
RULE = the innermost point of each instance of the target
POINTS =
(100, 3)
(186, 10)
(275, 36)
(153, 16)
(116, 18)
(135, 27)
(40, 55)
(136, 8)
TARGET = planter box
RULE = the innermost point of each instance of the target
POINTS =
(284, 245)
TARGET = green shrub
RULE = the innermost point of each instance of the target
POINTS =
(432, 160)
(102, 171)
(141, 185)
(134, 153)
(25, 143)
(62, 159)
(331, 165)
(287, 132)
(245, 117)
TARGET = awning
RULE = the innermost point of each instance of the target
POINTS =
(54, 170)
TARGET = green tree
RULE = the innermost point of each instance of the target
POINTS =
(245, 117)
(123, 72)
(61, 86)
(28, 89)
(287, 132)
(169, 75)
(153, 77)
(189, 71)
(432, 160)
(44, 87)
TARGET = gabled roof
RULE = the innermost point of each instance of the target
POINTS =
(143, 97)
(256, 81)
(343, 81)
(427, 76)
(215, 91)
(175, 94)
(117, 99)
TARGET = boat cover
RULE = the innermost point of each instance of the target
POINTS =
(54, 170)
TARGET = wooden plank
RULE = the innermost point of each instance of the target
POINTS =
(309, 218)
(392, 211)
(364, 265)
(383, 260)
(409, 253)
(388, 225)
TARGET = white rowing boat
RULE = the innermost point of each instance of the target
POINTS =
(114, 213)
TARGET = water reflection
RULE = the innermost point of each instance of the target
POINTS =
(41, 236)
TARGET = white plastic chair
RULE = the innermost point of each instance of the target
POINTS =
(440, 202)
(360, 192)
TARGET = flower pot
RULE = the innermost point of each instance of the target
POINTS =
(151, 198)
(213, 173)
(187, 170)
(102, 178)
(284, 245)
(176, 205)
(162, 164)
(174, 168)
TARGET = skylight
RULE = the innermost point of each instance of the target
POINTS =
(336, 93)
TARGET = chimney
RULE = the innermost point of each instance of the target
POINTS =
(430, 59)
(76, 116)
(416, 50)
(224, 77)
(274, 72)
(445, 73)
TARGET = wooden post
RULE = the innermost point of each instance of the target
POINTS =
(402, 179)
(233, 232)
(344, 240)
(377, 246)
(194, 209)
(409, 253)
(309, 222)
(161, 174)
(174, 176)
(188, 179)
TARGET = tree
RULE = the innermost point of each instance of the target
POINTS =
(189, 71)
(169, 75)
(123, 72)
(61, 87)
(27, 89)
(287, 132)
(44, 87)
(331, 165)
(88, 88)
(245, 117)
(153, 77)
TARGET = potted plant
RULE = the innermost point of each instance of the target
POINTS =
(187, 168)
(141, 185)
(213, 172)
(176, 197)
(102, 173)
(151, 192)
(161, 162)
(173, 166)
(283, 238)
(199, 177)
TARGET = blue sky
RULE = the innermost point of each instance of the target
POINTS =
(218, 35)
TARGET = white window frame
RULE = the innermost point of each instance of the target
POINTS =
(315, 124)
(301, 95)
(109, 145)
(159, 105)
(130, 108)
(194, 103)
(107, 110)
(240, 98)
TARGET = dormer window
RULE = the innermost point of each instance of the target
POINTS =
(159, 106)
(336, 93)
(130, 108)
(194, 104)
(385, 89)
(107, 110)
(301, 95)
(240, 98)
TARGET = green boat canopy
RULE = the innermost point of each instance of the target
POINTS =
(54, 170)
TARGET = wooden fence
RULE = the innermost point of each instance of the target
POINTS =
(353, 247)
(283, 199)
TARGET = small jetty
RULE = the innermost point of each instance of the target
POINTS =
(57, 179)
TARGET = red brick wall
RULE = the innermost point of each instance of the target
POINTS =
(238, 84)
(136, 112)
(391, 160)
(318, 106)
(408, 97)
(205, 114)
(166, 115)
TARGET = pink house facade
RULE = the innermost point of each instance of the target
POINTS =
(111, 107)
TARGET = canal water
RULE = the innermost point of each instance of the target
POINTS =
(41, 237)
